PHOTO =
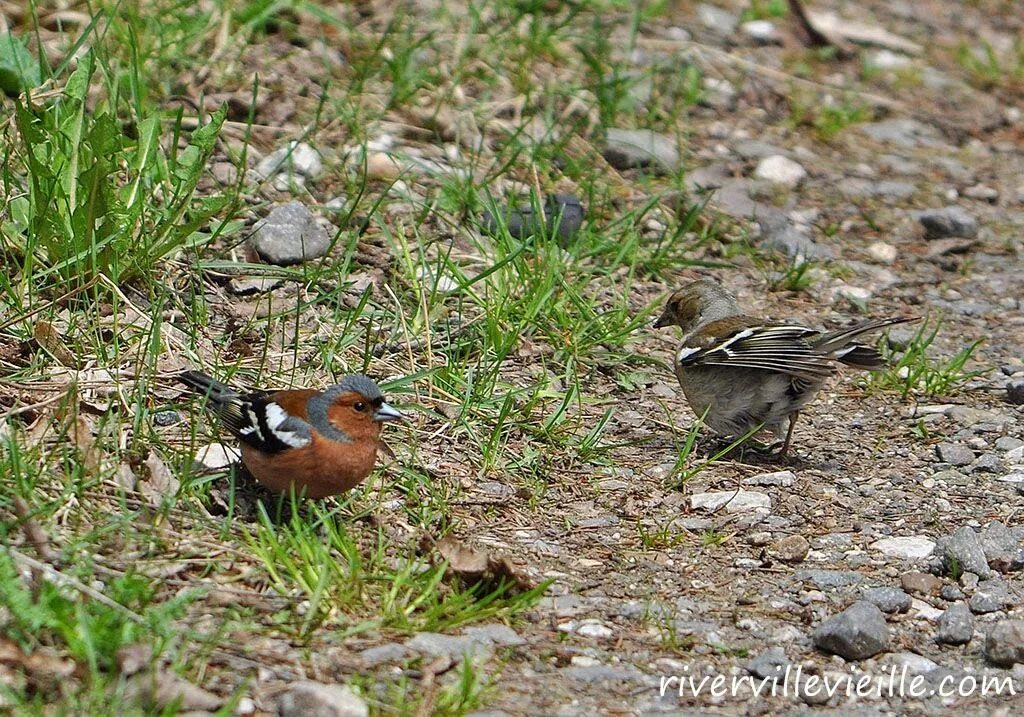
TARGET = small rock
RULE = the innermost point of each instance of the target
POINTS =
(312, 699)
(791, 549)
(1003, 547)
(562, 215)
(166, 418)
(290, 235)
(1015, 392)
(951, 221)
(854, 634)
(986, 463)
(982, 603)
(215, 456)
(982, 192)
(248, 285)
(956, 454)
(783, 479)
(595, 629)
(888, 60)
(882, 252)
(956, 626)
(888, 599)
(761, 31)
(951, 593)
(920, 583)
(734, 501)
(830, 579)
(962, 550)
(632, 148)
(1008, 443)
(915, 664)
(780, 170)
(910, 547)
(770, 663)
(1004, 644)
(296, 158)
(716, 19)
(391, 652)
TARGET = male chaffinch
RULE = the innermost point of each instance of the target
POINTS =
(319, 443)
(744, 372)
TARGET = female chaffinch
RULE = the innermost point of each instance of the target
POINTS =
(746, 373)
(317, 443)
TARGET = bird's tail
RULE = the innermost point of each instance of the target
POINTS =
(213, 389)
(846, 350)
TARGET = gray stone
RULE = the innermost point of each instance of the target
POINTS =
(956, 454)
(451, 646)
(915, 664)
(888, 599)
(956, 626)
(783, 479)
(987, 463)
(951, 593)
(903, 132)
(1015, 392)
(989, 596)
(830, 579)
(496, 634)
(861, 188)
(166, 418)
(780, 234)
(908, 547)
(391, 652)
(1003, 547)
(297, 158)
(780, 170)
(246, 285)
(312, 699)
(763, 32)
(733, 501)
(962, 550)
(1008, 443)
(631, 148)
(754, 149)
(770, 663)
(854, 634)
(951, 221)
(716, 19)
(1004, 644)
(290, 235)
(595, 674)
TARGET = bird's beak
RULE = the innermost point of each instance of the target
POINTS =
(387, 413)
(662, 321)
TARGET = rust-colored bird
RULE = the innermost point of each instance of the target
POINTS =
(317, 443)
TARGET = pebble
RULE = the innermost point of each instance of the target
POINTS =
(312, 699)
(882, 252)
(982, 192)
(910, 547)
(982, 603)
(783, 479)
(956, 454)
(216, 455)
(780, 170)
(166, 418)
(248, 285)
(634, 148)
(956, 626)
(1004, 643)
(920, 583)
(962, 550)
(291, 235)
(951, 221)
(1008, 443)
(1003, 547)
(1015, 392)
(770, 663)
(888, 599)
(854, 634)
(734, 501)
(761, 31)
(791, 549)
(297, 158)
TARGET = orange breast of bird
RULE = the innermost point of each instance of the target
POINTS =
(321, 469)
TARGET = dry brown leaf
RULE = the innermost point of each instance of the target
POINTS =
(160, 482)
(474, 565)
(50, 340)
(81, 434)
(43, 668)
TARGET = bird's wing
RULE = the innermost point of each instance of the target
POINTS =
(782, 348)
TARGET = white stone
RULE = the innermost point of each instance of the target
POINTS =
(780, 170)
(1015, 477)
(762, 31)
(882, 252)
(296, 158)
(734, 501)
(593, 628)
(924, 610)
(888, 60)
(216, 455)
(909, 547)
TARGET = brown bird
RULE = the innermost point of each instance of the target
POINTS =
(741, 373)
(317, 443)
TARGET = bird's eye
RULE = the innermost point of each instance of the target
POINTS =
(360, 406)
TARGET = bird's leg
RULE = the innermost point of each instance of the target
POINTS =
(789, 432)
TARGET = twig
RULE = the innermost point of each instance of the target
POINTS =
(34, 532)
(61, 579)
